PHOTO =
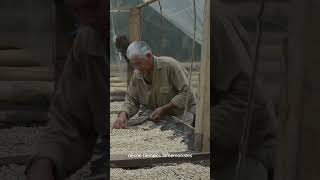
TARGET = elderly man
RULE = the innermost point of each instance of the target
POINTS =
(158, 83)
(79, 107)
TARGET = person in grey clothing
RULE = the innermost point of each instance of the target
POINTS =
(79, 106)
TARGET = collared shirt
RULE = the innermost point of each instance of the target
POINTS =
(169, 84)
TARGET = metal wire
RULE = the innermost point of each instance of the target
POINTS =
(193, 56)
(161, 28)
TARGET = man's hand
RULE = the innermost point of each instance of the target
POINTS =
(121, 122)
(41, 169)
(156, 114)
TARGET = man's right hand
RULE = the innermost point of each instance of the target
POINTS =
(121, 122)
(41, 169)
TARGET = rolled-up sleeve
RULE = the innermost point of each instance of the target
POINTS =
(131, 104)
(179, 80)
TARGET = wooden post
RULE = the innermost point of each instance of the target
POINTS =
(202, 124)
(134, 33)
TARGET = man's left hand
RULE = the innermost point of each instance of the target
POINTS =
(156, 114)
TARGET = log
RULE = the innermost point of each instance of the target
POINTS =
(41, 73)
(17, 57)
(26, 92)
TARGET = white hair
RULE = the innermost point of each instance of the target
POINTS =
(138, 49)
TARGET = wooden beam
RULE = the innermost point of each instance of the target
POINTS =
(123, 161)
(202, 124)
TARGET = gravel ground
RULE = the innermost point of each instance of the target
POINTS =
(144, 140)
(18, 140)
(115, 106)
(182, 171)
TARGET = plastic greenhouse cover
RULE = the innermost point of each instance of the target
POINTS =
(181, 14)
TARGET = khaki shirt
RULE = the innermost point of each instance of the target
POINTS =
(169, 84)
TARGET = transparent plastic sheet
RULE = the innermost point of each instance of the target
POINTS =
(172, 38)
(181, 14)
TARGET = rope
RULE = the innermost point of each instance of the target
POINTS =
(193, 57)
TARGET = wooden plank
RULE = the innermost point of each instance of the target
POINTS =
(123, 161)
(41, 73)
(202, 124)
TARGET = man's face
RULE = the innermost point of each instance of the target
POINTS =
(142, 64)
